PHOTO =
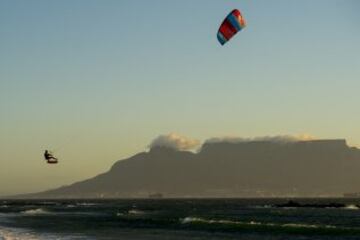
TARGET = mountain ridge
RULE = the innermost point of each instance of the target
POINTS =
(227, 169)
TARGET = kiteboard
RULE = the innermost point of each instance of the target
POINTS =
(52, 161)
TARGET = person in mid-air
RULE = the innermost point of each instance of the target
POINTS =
(48, 156)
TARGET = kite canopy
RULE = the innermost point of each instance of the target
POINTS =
(232, 24)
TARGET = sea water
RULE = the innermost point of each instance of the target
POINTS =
(174, 219)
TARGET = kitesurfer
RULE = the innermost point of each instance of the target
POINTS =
(48, 156)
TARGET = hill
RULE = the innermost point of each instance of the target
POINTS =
(228, 169)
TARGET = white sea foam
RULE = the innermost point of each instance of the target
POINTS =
(189, 220)
(86, 204)
(261, 206)
(131, 212)
(212, 221)
(70, 206)
(352, 207)
(300, 225)
(135, 212)
(37, 211)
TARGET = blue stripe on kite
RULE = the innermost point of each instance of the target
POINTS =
(234, 21)
(221, 38)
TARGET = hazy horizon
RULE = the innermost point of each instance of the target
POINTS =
(176, 167)
(99, 81)
(166, 145)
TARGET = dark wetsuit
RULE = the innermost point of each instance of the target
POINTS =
(49, 156)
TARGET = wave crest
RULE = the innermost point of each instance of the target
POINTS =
(232, 225)
(131, 212)
(37, 211)
(352, 207)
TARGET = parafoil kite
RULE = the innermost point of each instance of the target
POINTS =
(232, 24)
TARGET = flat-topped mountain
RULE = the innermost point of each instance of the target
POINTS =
(228, 169)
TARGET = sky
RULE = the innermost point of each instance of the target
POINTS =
(97, 81)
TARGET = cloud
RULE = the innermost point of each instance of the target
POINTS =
(174, 141)
(182, 143)
(278, 139)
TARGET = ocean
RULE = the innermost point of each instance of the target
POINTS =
(173, 219)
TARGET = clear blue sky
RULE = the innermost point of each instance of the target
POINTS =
(98, 80)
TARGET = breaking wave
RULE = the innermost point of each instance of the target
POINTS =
(37, 211)
(233, 226)
(131, 212)
(135, 212)
(86, 204)
(70, 206)
(352, 207)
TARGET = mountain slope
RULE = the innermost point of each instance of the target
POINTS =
(224, 169)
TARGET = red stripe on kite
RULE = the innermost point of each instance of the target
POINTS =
(227, 29)
(236, 13)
